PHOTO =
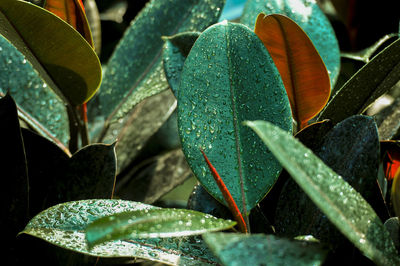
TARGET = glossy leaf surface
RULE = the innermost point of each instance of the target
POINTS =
(153, 223)
(302, 70)
(258, 249)
(68, 232)
(135, 70)
(38, 105)
(310, 18)
(367, 85)
(229, 77)
(72, 12)
(67, 63)
(343, 206)
(175, 51)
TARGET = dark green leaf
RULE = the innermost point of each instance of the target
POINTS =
(160, 177)
(153, 223)
(343, 206)
(67, 63)
(368, 84)
(258, 249)
(39, 106)
(175, 51)
(310, 18)
(135, 70)
(15, 194)
(68, 232)
(229, 77)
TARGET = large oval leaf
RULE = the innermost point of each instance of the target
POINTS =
(259, 249)
(229, 77)
(310, 18)
(63, 225)
(38, 105)
(60, 54)
(302, 70)
(134, 71)
(367, 85)
(343, 206)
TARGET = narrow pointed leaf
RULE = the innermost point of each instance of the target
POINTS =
(258, 249)
(310, 18)
(153, 223)
(38, 105)
(343, 206)
(175, 51)
(367, 85)
(72, 12)
(135, 70)
(67, 63)
(229, 77)
(302, 70)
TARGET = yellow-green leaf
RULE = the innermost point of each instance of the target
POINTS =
(302, 70)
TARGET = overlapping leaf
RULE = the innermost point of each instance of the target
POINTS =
(67, 63)
(302, 70)
(58, 226)
(38, 105)
(343, 206)
(310, 18)
(135, 71)
(368, 84)
(229, 77)
(258, 249)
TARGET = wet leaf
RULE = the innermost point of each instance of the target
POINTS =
(343, 206)
(175, 51)
(367, 85)
(38, 105)
(154, 181)
(135, 70)
(153, 223)
(67, 63)
(15, 196)
(227, 62)
(302, 70)
(259, 249)
(72, 12)
(310, 18)
(68, 233)
(232, 10)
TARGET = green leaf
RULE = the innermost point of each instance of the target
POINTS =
(60, 54)
(367, 85)
(38, 105)
(135, 70)
(310, 18)
(259, 249)
(15, 196)
(229, 77)
(153, 223)
(63, 225)
(343, 206)
(175, 51)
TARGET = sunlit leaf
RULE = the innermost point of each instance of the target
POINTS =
(153, 223)
(343, 206)
(302, 70)
(67, 63)
(72, 12)
(226, 63)
(63, 225)
(258, 249)
(310, 18)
